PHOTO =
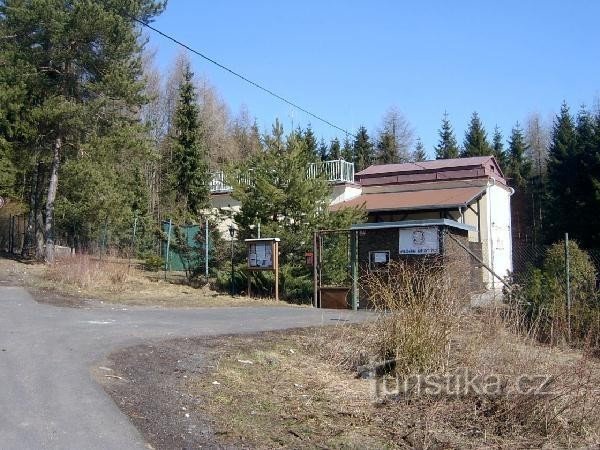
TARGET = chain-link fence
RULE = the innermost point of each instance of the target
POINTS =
(12, 233)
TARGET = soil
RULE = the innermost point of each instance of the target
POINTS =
(147, 383)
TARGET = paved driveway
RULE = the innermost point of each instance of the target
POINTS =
(48, 398)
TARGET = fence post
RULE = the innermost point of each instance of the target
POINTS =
(568, 284)
(132, 250)
(168, 245)
(206, 236)
(10, 234)
(354, 265)
(315, 270)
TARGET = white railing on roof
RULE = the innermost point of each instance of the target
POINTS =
(217, 182)
(336, 171)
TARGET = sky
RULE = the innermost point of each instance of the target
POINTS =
(349, 61)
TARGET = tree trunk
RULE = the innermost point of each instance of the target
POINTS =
(30, 227)
(51, 197)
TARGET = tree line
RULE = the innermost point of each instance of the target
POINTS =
(93, 137)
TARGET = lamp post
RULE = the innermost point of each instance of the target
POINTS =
(232, 234)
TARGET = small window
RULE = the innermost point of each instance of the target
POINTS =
(379, 260)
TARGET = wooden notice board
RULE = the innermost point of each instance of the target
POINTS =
(263, 254)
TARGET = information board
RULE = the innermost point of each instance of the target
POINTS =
(419, 241)
(260, 255)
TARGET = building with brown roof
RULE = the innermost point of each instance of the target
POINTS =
(469, 191)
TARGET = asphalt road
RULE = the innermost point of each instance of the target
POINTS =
(48, 397)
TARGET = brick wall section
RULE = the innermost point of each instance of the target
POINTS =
(457, 261)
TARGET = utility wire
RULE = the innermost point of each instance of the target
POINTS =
(242, 77)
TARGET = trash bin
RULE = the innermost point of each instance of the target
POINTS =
(334, 297)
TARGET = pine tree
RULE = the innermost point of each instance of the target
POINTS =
(348, 150)
(518, 166)
(419, 154)
(310, 141)
(587, 184)
(387, 152)
(498, 148)
(475, 143)
(335, 150)
(447, 146)
(83, 78)
(362, 149)
(562, 176)
(287, 203)
(323, 150)
(190, 156)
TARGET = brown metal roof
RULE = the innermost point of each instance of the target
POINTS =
(439, 169)
(414, 200)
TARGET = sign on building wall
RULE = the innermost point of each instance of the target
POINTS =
(419, 241)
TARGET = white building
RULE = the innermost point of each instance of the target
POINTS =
(472, 191)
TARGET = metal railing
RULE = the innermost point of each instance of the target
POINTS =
(336, 171)
(218, 184)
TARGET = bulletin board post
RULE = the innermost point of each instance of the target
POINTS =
(263, 254)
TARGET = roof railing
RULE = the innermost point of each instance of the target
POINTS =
(336, 172)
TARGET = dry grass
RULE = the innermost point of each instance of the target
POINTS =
(420, 306)
(301, 391)
(114, 281)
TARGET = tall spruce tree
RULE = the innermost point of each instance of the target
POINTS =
(363, 150)
(498, 148)
(475, 143)
(587, 187)
(323, 150)
(387, 151)
(335, 150)
(518, 167)
(562, 176)
(83, 66)
(310, 141)
(348, 150)
(447, 146)
(419, 154)
(190, 157)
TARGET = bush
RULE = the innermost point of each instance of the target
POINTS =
(542, 299)
(420, 306)
(296, 283)
(153, 263)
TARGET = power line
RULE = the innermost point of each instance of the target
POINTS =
(242, 77)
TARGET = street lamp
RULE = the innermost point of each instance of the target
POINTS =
(232, 234)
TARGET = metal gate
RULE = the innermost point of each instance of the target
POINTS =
(335, 269)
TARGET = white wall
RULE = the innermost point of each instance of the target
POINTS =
(500, 235)
(344, 192)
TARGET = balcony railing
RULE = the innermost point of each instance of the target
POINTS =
(218, 184)
(337, 171)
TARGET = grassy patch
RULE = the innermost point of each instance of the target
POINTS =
(299, 389)
(114, 281)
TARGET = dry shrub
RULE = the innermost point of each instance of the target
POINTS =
(85, 272)
(420, 306)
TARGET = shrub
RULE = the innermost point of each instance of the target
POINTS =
(542, 299)
(420, 305)
(153, 263)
